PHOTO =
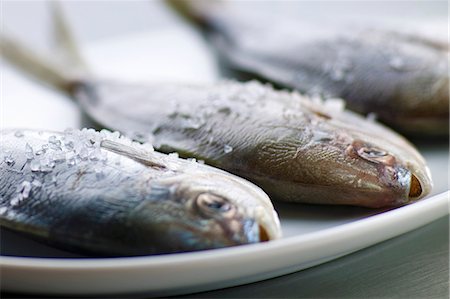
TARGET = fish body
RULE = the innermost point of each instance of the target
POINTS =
(295, 148)
(98, 194)
(401, 77)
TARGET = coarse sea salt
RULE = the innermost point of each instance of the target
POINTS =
(227, 149)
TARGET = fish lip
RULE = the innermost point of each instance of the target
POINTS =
(409, 178)
(412, 184)
(425, 181)
(270, 224)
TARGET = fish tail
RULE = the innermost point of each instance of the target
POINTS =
(65, 40)
(35, 65)
(63, 76)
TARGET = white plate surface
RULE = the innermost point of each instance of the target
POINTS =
(312, 234)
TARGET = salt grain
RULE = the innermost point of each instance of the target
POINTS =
(227, 149)
(29, 152)
(25, 189)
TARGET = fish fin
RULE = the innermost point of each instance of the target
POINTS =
(65, 42)
(36, 65)
(138, 155)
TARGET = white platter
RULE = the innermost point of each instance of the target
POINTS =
(212, 269)
(313, 234)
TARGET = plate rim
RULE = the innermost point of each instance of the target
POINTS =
(438, 203)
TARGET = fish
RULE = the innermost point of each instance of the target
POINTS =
(296, 148)
(398, 76)
(100, 194)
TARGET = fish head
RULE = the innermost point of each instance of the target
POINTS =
(340, 159)
(399, 174)
(211, 209)
(381, 167)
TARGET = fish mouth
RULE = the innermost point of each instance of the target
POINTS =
(263, 234)
(268, 225)
(416, 184)
(420, 184)
(415, 189)
(407, 179)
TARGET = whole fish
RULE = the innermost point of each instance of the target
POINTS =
(97, 194)
(296, 148)
(401, 77)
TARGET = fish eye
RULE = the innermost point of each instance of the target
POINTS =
(371, 152)
(376, 155)
(210, 203)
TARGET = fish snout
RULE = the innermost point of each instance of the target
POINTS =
(403, 182)
(420, 182)
(237, 224)
(228, 210)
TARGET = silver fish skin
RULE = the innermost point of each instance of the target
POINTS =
(296, 148)
(399, 75)
(97, 194)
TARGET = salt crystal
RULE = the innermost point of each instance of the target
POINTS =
(69, 144)
(227, 149)
(70, 155)
(103, 156)
(16, 200)
(35, 165)
(193, 123)
(334, 106)
(54, 141)
(83, 153)
(70, 158)
(29, 151)
(26, 189)
(174, 155)
(95, 155)
(9, 160)
(40, 152)
(3, 210)
(114, 135)
(59, 157)
(46, 165)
